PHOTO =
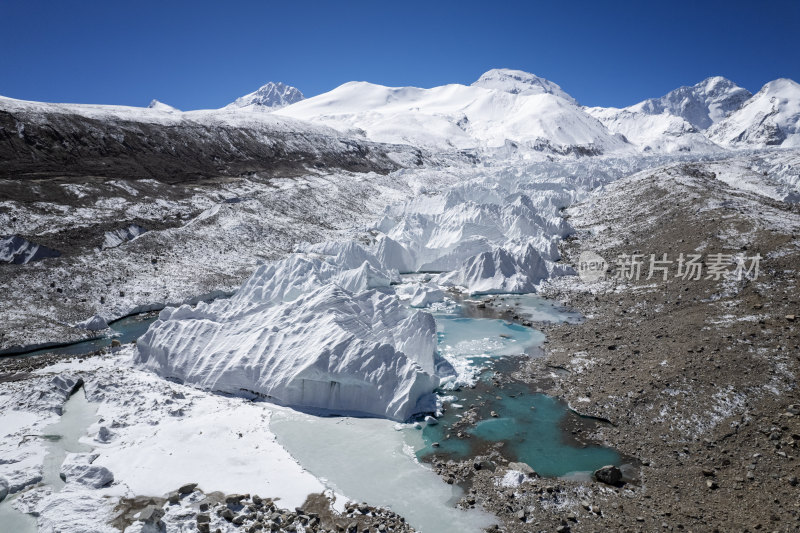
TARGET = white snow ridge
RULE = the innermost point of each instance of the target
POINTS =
(308, 333)
(272, 95)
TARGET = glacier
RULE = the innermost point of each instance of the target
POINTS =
(335, 328)
(308, 333)
(344, 323)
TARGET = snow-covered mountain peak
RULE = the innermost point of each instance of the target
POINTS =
(520, 82)
(782, 88)
(273, 95)
(717, 83)
(701, 105)
(462, 117)
(161, 106)
(770, 118)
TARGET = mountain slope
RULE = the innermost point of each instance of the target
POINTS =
(520, 82)
(770, 118)
(663, 133)
(161, 106)
(700, 105)
(45, 140)
(462, 117)
(272, 95)
(675, 121)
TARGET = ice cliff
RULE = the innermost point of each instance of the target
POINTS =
(311, 332)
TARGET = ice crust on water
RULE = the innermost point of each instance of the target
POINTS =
(306, 332)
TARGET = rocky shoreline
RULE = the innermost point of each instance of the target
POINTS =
(189, 508)
(697, 377)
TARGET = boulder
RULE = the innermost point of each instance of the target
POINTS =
(610, 475)
(78, 468)
(150, 515)
(95, 323)
(525, 468)
(3, 488)
(104, 434)
(188, 488)
(234, 499)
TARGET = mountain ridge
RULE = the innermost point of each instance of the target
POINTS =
(504, 111)
(273, 95)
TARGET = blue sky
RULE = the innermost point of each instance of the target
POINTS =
(202, 54)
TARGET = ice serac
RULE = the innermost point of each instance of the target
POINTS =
(501, 271)
(114, 238)
(474, 218)
(770, 118)
(394, 255)
(20, 251)
(272, 95)
(294, 334)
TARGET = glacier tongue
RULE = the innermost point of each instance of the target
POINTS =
(295, 335)
(329, 329)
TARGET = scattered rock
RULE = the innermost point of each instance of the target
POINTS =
(525, 468)
(610, 475)
(78, 468)
(104, 434)
(188, 488)
(151, 514)
(234, 499)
